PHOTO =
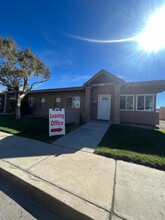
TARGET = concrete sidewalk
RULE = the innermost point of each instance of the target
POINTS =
(161, 125)
(80, 185)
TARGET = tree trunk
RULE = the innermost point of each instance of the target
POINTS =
(18, 106)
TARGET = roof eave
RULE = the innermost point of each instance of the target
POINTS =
(58, 90)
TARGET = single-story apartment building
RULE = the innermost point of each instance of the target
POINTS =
(103, 97)
(161, 112)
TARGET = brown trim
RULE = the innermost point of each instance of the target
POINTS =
(58, 90)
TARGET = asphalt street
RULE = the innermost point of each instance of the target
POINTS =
(16, 205)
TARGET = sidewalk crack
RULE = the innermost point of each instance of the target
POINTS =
(43, 159)
(113, 196)
(38, 178)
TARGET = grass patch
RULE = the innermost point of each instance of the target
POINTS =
(138, 145)
(31, 127)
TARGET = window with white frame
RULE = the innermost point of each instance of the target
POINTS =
(57, 102)
(145, 103)
(127, 102)
(31, 102)
(42, 101)
(73, 102)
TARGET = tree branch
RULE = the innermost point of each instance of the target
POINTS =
(6, 83)
(32, 86)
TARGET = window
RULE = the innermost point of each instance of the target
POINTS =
(42, 101)
(145, 103)
(12, 98)
(73, 102)
(127, 102)
(57, 102)
(31, 102)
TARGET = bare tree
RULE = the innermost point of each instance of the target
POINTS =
(20, 70)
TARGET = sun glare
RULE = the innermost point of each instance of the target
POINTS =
(152, 38)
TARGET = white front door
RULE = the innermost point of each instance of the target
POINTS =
(104, 107)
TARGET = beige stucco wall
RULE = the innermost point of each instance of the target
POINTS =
(161, 113)
(150, 118)
(138, 90)
(50, 101)
(141, 117)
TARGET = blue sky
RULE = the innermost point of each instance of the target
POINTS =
(46, 27)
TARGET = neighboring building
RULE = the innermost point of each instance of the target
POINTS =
(161, 111)
(103, 97)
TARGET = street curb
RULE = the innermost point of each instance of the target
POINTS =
(47, 200)
(66, 206)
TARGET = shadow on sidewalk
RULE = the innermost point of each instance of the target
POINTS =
(85, 138)
(14, 147)
(52, 206)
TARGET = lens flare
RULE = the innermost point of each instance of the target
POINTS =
(102, 41)
(150, 39)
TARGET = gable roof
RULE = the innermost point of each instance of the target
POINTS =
(104, 76)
